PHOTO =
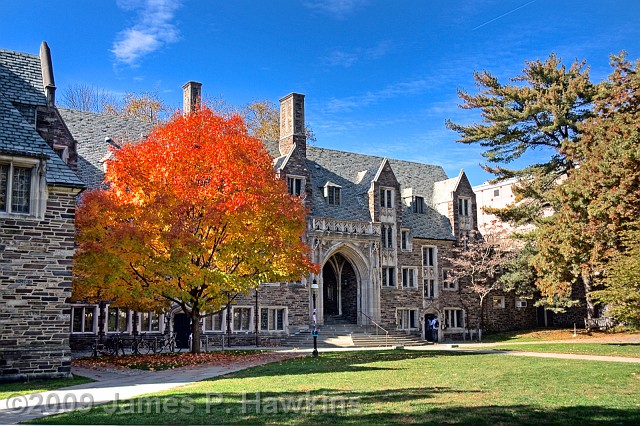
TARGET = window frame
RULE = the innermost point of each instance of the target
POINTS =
(127, 320)
(84, 310)
(387, 236)
(455, 316)
(274, 324)
(418, 205)
(249, 309)
(148, 317)
(432, 257)
(409, 273)
(407, 319)
(450, 286)
(388, 277)
(464, 206)
(498, 302)
(387, 197)
(405, 240)
(333, 194)
(35, 186)
(430, 288)
(292, 179)
(208, 322)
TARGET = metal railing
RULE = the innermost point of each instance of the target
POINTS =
(377, 327)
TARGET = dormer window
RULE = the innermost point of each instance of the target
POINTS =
(386, 197)
(418, 204)
(332, 193)
(295, 185)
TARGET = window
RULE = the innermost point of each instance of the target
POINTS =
(496, 192)
(272, 319)
(428, 256)
(388, 277)
(117, 320)
(430, 288)
(386, 198)
(15, 188)
(405, 240)
(332, 193)
(214, 322)
(387, 236)
(83, 319)
(407, 319)
(418, 205)
(453, 318)
(448, 282)
(498, 302)
(149, 322)
(521, 303)
(241, 319)
(409, 277)
(464, 206)
(295, 185)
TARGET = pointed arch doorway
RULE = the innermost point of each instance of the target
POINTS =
(340, 290)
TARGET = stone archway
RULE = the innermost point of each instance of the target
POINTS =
(347, 277)
(340, 289)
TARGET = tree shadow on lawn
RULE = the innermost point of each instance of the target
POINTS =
(341, 362)
(332, 406)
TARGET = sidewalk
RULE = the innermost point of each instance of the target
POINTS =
(110, 384)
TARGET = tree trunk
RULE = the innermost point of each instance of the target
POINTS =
(195, 332)
(480, 319)
(587, 282)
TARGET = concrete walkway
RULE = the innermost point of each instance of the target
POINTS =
(113, 384)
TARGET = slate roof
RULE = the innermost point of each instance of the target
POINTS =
(21, 91)
(90, 130)
(354, 173)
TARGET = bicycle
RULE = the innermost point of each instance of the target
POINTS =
(140, 345)
(114, 344)
(168, 343)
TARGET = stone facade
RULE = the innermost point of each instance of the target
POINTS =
(38, 189)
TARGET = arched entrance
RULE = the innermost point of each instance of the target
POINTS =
(182, 328)
(431, 330)
(340, 290)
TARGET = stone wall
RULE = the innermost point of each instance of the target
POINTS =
(35, 276)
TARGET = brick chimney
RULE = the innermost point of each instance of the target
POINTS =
(292, 124)
(192, 96)
(47, 74)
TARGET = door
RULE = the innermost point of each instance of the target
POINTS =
(182, 328)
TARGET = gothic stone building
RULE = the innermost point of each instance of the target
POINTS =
(379, 228)
(38, 189)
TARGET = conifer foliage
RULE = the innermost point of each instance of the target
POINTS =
(193, 215)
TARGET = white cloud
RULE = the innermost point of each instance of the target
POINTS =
(346, 59)
(335, 8)
(152, 30)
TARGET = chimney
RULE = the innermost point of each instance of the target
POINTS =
(192, 96)
(292, 124)
(47, 74)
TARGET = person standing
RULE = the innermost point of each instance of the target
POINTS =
(435, 325)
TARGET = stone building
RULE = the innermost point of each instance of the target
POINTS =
(38, 189)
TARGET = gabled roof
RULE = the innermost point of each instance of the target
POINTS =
(442, 190)
(90, 131)
(21, 92)
(354, 173)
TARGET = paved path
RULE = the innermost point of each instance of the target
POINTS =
(113, 384)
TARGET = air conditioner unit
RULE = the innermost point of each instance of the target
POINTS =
(521, 303)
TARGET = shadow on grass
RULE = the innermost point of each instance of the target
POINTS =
(340, 362)
(330, 406)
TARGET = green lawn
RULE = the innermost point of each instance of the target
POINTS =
(394, 387)
(606, 349)
(24, 388)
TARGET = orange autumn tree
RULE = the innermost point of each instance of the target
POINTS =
(193, 215)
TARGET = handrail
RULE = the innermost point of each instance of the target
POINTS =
(378, 326)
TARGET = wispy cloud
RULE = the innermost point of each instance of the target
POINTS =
(347, 58)
(338, 9)
(152, 30)
(350, 103)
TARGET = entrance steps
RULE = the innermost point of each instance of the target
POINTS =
(350, 336)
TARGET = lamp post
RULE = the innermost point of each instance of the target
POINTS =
(314, 291)
(255, 321)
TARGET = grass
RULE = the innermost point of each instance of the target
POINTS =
(538, 335)
(24, 388)
(604, 349)
(385, 387)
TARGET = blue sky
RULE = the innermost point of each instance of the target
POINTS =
(380, 76)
